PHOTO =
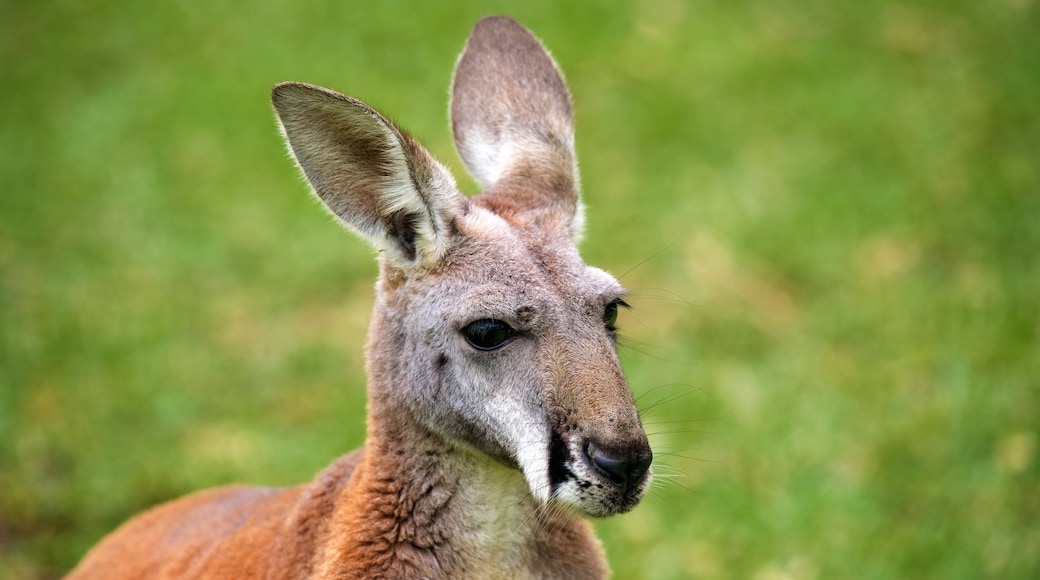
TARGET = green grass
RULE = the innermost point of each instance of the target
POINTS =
(828, 212)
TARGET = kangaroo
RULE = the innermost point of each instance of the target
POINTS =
(498, 416)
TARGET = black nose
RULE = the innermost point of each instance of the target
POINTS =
(624, 467)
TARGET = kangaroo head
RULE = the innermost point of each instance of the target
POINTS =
(489, 330)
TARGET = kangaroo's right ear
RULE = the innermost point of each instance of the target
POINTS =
(370, 174)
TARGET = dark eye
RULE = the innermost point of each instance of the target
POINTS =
(610, 314)
(488, 334)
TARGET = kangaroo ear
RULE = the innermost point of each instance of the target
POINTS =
(369, 173)
(511, 116)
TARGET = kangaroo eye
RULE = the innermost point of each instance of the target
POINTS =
(610, 314)
(488, 334)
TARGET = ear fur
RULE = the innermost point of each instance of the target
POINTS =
(513, 125)
(370, 174)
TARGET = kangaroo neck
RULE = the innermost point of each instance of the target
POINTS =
(432, 509)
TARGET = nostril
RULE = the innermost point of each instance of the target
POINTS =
(615, 469)
(620, 467)
(638, 466)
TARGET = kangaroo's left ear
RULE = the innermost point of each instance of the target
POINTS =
(370, 174)
(514, 129)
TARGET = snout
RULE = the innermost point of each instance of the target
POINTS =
(599, 456)
(600, 475)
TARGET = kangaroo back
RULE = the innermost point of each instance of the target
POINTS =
(498, 416)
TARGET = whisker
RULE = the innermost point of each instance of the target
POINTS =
(666, 385)
(663, 401)
(664, 483)
(674, 431)
(682, 421)
(665, 295)
(647, 259)
(704, 420)
(626, 344)
(705, 460)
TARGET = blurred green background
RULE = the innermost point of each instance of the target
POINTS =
(828, 213)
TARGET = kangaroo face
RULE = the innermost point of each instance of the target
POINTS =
(489, 330)
(515, 357)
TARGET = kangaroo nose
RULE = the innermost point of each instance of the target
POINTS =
(623, 467)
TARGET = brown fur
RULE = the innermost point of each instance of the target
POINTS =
(479, 462)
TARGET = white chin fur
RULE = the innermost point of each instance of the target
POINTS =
(530, 438)
(534, 462)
